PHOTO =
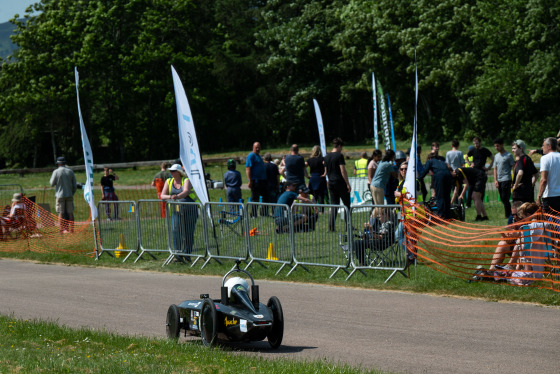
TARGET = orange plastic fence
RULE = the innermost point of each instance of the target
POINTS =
(525, 253)
(37, 230)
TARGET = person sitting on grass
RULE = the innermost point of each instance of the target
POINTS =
(16, 213)
(510, 238)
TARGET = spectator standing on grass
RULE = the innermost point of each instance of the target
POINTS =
(339, 186)
(360, 166)
(108, 192)
(318, 172)
(480, 154)
(272, 178)
(64, 180)
(435, 150)
(454, 158)
(232, 181)
(379, 182)
(295, 170)
(161, 177)
(475, 179)
(503, 162)
(525, 174)
(372, 165)
(256, 175)
(549, 188)
(183, 219)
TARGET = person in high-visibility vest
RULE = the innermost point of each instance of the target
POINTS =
(179, 188)
(360, 166)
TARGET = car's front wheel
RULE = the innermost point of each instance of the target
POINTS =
(173, 322)
(208, 323)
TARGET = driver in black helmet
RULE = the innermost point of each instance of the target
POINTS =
(232, 180)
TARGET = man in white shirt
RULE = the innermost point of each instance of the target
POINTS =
(549, 187)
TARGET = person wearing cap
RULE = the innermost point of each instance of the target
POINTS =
(549, 187)
(272, 178)
(503, 162)
(179, 188)
(17, 213)
(232, 181)
(525, 174)
(256, 175)
(64, 180)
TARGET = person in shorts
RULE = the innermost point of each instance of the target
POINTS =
(64, 180)
(475, 178)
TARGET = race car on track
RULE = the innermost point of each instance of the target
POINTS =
(235, 317)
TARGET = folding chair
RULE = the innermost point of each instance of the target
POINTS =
(231, 223)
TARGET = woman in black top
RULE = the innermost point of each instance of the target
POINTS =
(317, 170)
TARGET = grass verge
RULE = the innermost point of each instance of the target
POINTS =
(38, 347)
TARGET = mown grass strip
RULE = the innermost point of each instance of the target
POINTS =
(44, 347)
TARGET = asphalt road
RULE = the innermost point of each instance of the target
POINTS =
(392, 331)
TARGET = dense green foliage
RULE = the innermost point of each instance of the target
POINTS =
(252, 67)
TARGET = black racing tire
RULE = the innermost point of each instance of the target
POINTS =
(276, 333)
(208, 323)
(173, 322)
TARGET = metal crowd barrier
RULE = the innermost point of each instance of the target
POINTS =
(118, 228)
(376, 240)
(152, 228)
(270, 236)
(300, 236)
(186, 232)
(226, 230)
(320, 244)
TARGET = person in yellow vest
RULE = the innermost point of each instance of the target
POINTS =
(307, 216)
(360, 166)
(178, 188)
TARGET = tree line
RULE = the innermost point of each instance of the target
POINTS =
(252, 67)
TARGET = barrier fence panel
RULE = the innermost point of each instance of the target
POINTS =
(376, 239)
(152, 227)
(186, 232)
(270, 236)
(118, 234)
(226, 229)
(319, 244)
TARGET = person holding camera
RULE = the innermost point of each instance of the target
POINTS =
(108, 192)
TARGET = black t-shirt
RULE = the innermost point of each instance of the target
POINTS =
(525, 191)
(471, 174)
(333, 161)
(316, 164)
(271, 175)
(107, 182)
(295, 169)
(479, 157)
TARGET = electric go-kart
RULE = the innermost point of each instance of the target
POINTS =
(235, 317)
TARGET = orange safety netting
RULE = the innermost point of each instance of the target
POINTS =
(524, 253)
(32, 228)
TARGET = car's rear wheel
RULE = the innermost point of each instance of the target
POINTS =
(208, 323)
(173, 322)
(277, 331)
